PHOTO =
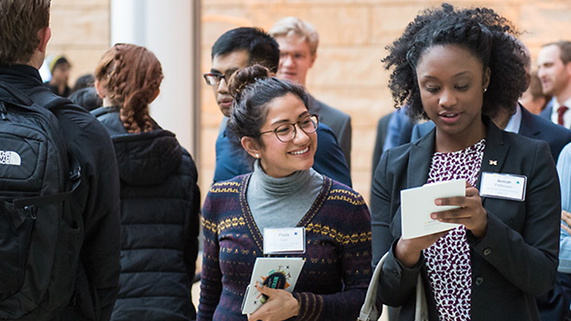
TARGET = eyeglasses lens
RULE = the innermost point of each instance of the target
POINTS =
(287, 132)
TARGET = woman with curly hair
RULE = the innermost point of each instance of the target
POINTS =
(459, 68)
(160, 199)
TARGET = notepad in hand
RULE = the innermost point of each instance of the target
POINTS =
(273, 272)
(418, 203)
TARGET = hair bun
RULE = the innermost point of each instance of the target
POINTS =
(244, 77)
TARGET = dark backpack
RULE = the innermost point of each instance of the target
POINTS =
(40, 237)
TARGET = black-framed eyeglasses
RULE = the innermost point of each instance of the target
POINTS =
(214, 78)
(286, 132)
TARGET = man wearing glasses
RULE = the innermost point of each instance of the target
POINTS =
(240, 48)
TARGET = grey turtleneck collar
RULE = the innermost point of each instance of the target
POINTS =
(281, 202)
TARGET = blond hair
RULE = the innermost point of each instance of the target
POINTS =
(295, 26)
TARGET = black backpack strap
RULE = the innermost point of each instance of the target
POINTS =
(98, 112)
(16, 94)
(41, 96)
(47, 99)
(27, 207)
(75, 178)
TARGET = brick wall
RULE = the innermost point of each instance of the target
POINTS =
(348, 73)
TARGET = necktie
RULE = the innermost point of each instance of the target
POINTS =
(560, 111)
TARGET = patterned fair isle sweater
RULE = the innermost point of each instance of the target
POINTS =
(337, 270)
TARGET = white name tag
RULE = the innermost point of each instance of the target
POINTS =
(505, 186)
(284, 240)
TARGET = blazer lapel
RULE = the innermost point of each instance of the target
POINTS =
(527, 127)
(495, 153)
(420, 159)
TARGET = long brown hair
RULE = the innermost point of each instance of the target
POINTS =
(131, 75)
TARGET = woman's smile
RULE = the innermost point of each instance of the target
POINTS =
(300, 152)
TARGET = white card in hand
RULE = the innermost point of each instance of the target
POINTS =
(418, 203)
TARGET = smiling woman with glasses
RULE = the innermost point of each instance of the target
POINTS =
(287, 131)
(271, 121)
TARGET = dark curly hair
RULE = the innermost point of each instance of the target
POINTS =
(252, 89)
(487, 35)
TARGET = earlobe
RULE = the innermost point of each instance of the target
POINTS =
(251, 146)
(155, 95)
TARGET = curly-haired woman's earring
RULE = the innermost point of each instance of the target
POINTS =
(485, 89)
(257, 155)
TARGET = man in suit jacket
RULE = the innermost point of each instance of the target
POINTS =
(517, 257)
(530, 125)
(554, 71)
(298, 42)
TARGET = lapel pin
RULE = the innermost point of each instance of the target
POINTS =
(493, 162)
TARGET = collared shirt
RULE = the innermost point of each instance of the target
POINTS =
(515, 121)
(566, 116)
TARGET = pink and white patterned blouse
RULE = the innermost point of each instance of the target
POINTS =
(448, 260)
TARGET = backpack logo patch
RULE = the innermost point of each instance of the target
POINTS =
(10, 158)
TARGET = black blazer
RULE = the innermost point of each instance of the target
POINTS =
(532, 126)
(517, 258)
(338, 121)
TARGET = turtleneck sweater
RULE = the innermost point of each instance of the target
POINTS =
(337, 269)
(281, 202)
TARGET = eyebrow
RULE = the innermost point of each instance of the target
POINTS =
(281, 121)
(462, 73)
(228, 72)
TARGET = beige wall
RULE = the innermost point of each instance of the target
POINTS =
(348, 73)
(80, 30)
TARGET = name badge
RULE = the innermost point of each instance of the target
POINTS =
(284, 240)
(506, 186)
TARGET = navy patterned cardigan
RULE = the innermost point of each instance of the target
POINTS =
(335, 277)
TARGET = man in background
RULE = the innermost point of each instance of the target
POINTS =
(554, 71)
(58, 83)
(298, 41)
